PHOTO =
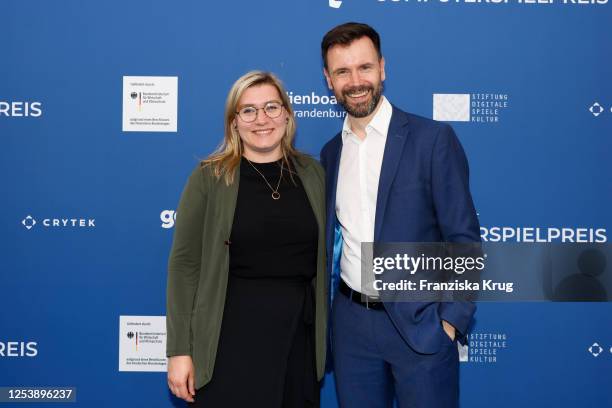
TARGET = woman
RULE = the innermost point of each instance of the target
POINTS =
(246, 307)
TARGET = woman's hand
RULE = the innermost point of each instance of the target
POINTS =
(181, 377)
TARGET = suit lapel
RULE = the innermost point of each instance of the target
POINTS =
(333, 166)
(394, 148)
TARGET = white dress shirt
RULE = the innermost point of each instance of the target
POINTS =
(357, 190)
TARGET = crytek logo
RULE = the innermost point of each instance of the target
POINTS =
(596, 109)
(29, 222)
(167, 217)
(20, 109)
(335, 3)
(595, 349)
(18, 349)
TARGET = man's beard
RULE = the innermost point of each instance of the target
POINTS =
(363, 109)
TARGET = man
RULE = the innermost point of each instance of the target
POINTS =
(391, 177)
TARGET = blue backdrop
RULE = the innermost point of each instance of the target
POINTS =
(541, 160)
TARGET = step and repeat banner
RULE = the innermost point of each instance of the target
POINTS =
(107, 106)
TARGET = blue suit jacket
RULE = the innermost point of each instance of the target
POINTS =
(423, 196)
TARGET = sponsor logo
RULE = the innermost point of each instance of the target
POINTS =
(313, 105)
(464, 353)
(137, 96)
(483, 348)
(474, 107)
(595, 349)
(132, 335)
(20, 109)
(451, 107)
(167, 217)
(142, 343)
(548, 234)
(18, 349)
(597, 109)
(150, 104)
(29, 222)
(335, 3)
(144, 336)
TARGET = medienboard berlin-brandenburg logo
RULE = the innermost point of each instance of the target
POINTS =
(313, 105)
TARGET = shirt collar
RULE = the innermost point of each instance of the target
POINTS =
(379, 123)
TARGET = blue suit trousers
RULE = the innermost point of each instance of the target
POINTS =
(375, 366)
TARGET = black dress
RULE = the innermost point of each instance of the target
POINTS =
(266, 355)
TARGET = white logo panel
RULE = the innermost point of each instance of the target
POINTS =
(142, 343)
(150, 104)
(451, 107)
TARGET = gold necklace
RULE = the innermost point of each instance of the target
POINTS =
(275, 193)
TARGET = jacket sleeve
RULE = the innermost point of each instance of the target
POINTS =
(184, 265)
(456, 213)
(451, 190)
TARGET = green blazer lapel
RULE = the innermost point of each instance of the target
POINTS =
(227, 197)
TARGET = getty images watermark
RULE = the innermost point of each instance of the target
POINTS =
(438, 272)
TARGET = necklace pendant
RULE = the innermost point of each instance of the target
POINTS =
(275, 195)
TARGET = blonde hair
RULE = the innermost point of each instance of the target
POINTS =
(226, 158)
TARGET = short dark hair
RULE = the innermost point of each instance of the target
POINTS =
(346, 33)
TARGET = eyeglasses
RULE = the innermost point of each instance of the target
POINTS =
(272, 110)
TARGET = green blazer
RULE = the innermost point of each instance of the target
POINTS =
(198, 267)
